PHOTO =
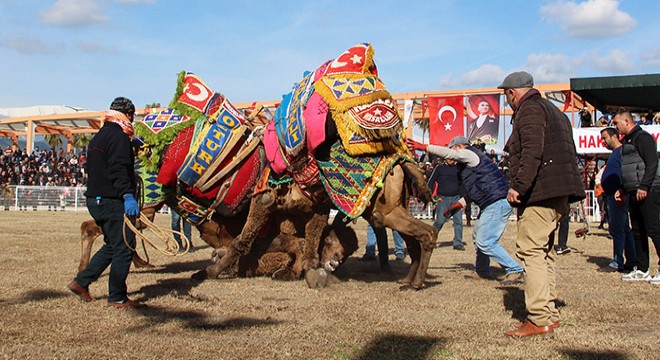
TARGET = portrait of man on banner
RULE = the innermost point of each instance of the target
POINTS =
(446, 117)
(483, 118)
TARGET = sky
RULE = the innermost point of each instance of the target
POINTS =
(84, 53)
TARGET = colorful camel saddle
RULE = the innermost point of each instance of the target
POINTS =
(152, 192)
(351, 181)
(346, 90)
(156, 131)
(214, 165)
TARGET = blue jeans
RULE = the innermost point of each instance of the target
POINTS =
(371, 242)
(622, 236)
(440, 219)
(176, 226)
(488, 230)
(109, 216)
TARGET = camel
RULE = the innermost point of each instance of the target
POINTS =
(349, 94)
(281, 258)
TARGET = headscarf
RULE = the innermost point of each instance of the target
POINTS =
(120, 119)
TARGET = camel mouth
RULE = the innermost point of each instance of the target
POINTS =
(332, 265)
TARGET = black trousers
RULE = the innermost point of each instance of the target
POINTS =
(109, 215)
(645, 223)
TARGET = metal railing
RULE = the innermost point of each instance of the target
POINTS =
(63, 198)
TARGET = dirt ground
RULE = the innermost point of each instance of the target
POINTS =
(366, 316)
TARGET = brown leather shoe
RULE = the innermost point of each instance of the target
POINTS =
(475, 276)
(529, 329)
(513, 279)
(82, 293)
(127, 304)
(518, 324)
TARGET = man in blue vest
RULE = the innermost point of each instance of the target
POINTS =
(485, 185)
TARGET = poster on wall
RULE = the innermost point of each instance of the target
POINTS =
(483, 111)
(445, 118)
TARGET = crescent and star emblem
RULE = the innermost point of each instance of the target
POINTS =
(452, 111)
(202, 95)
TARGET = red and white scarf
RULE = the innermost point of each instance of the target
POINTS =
(120, 119)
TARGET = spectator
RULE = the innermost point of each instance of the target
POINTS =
(485, 185)
(641, 185)
(187, 230)
(544, 179)
(445, 183)
(623, 240)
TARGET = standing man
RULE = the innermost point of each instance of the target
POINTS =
(544, 179)
(485, 185)
(111, 194)
(176, 220)
(639, 169)
(444, 180)
(618, 223)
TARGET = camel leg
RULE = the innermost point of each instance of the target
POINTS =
(400, 220)
(89, 231)
(313, 234)
(262, 207)
(415, 252)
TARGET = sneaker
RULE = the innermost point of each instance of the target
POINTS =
(400, 257)
(513, 278)
(656, 279)
(636, 275)
(459, 247)
(562, 250)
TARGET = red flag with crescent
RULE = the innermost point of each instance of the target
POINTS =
(195, 93)
(446, 118)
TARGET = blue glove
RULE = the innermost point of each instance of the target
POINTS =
(131, 207)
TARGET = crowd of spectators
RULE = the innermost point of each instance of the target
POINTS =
(42, 168)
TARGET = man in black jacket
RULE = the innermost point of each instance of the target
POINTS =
(111, 194)
(639, 172)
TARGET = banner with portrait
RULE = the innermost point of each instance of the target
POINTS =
(483, 112)
(445, 118)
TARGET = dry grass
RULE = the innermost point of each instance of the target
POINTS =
(366, 316)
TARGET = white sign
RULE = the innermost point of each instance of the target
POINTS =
(588, 141)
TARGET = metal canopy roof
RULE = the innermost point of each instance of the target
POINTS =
(634, 92)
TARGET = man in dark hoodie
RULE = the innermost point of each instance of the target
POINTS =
(111, 194)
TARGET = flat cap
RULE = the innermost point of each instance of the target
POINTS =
(518, 79)
(459, 140)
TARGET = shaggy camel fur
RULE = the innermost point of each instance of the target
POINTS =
(281, 258)
(387, 209)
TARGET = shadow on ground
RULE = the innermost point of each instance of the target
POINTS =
(392, 346)
(593, 355)
(514, 301)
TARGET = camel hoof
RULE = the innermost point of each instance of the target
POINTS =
(312, 278)
(199, 276)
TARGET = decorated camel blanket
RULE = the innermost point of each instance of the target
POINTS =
(351, 182)
(348, 92)
(201, 163)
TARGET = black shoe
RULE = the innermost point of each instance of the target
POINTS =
(562, 250)
(367, 257)
(459, 247)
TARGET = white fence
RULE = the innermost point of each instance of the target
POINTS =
(62, 198)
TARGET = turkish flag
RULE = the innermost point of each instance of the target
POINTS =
(446, 119)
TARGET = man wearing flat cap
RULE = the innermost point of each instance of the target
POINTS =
(543, 180)
(485, 185)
